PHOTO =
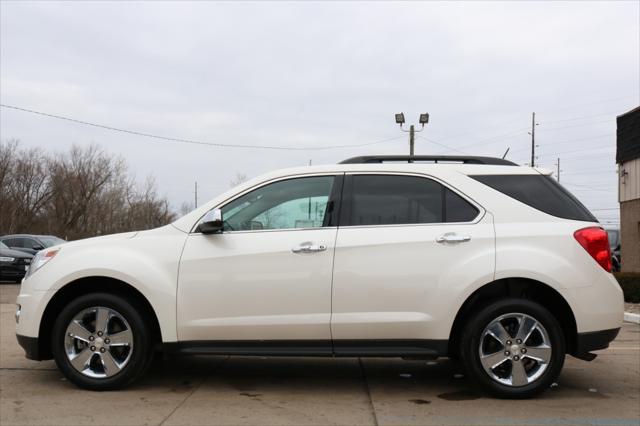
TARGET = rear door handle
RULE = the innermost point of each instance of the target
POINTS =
(308, 248)
(452, 237)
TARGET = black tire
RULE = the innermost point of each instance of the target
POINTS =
(473, 333)
(140, 356)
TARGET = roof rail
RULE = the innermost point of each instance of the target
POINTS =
(369, 159)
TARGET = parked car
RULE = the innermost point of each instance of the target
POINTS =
(13, 263)
(30, 243)
(493, 264)
(613, 233)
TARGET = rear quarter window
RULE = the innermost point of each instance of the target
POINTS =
(540, 192)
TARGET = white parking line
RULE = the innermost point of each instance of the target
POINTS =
(634, 318)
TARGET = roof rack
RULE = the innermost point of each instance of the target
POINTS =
(369, 159)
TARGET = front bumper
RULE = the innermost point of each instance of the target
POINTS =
(13, 271)
(592, 341)
(31, 347)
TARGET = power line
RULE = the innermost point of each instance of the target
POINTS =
(593, 172)
(442, 145)
(581, 150)
(500, 138)
(583, 117)
(578, 125)
(601, 101)
(520, 132)
(559, 121)
(606, 135)
(191, 141)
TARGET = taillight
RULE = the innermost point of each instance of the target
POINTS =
(596, 242)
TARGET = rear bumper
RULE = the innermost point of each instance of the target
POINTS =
(30, 346)
(592, 341)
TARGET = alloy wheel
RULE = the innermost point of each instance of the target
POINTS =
(98, 342)
(515, 349)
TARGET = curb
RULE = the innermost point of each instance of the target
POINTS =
(634, 318)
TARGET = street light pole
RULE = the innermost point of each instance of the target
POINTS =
(412, 136)
(424, 119)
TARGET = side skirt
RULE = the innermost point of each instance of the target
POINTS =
(347, 348)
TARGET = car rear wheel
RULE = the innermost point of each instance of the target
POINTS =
(515, 348)
(101, 342)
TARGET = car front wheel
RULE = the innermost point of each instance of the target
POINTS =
(515, 348)
(101, 342)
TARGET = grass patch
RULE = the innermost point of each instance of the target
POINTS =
(630, 283)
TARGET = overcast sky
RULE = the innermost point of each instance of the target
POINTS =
(322, 74)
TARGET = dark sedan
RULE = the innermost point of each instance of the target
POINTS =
(13, 263)
(30, 243)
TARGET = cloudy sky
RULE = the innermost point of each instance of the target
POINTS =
(318, 75)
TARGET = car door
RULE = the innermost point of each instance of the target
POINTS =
(406, 243)
(267, 276)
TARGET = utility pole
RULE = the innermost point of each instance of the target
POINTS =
(533, 139)
(195, 193)
(558, 169)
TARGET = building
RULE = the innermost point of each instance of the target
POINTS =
(628, 159)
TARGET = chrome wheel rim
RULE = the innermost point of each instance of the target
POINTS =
(515, 349)
(98, 342)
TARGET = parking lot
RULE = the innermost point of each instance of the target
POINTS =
(313, 391)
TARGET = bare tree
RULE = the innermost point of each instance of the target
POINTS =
(185, 208)
(25, 185)
(77, 194)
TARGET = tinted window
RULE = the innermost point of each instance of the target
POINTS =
(384, 200)
(51, 241)
(9, 242)
(457, 209)
(293, 203)
(540, 192)
(30, 243)
(17, 242)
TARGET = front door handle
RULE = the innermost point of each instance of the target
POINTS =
(452, 237)
(308, 248)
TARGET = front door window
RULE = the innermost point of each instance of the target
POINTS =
(288, 204)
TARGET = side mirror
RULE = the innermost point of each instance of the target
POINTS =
(211, 223)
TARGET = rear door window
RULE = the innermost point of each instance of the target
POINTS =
(540, 192)
(397, 199)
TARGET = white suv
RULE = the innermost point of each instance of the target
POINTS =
(473, 258)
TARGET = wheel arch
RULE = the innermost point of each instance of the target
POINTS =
(86, 285)
(525, 288)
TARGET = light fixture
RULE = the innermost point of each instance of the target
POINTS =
(400, 118)
(424, 118)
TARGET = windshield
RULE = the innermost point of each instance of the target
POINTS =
(2, 245)
(51, 241)
(613, 237)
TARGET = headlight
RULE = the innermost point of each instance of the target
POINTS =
(7, 259)
(40, 259)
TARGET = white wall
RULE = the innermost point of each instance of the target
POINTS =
(629, 187)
